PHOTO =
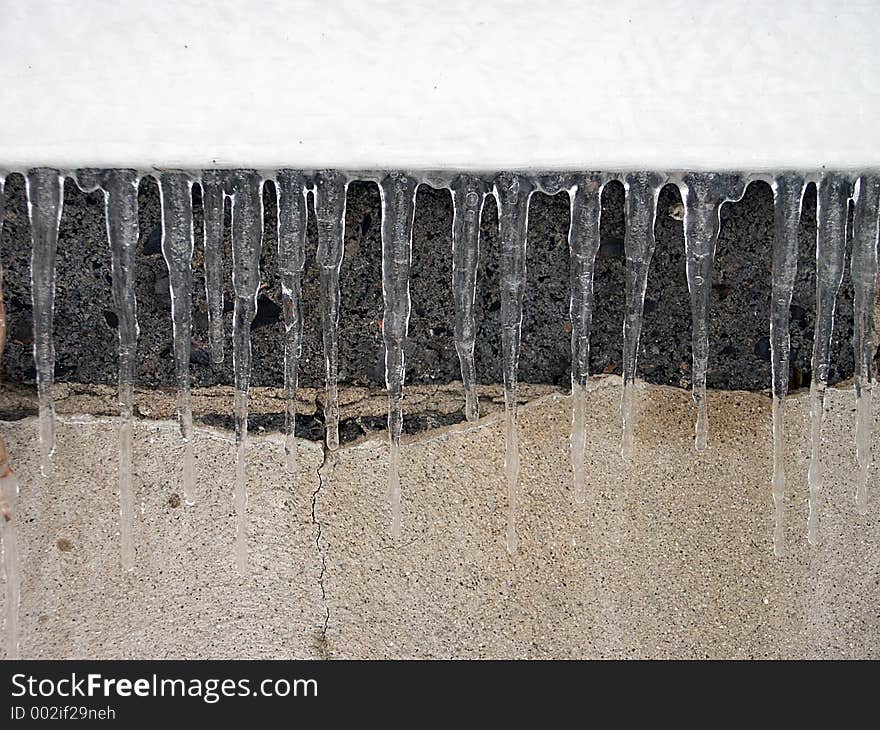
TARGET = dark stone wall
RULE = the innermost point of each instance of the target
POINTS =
(85, 324)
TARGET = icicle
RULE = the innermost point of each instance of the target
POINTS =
(45, 194)
(512, 193)
(213, 197)
(8, 500)
(788, 193)
(292, 217)
(175, 191)
(703, 193)
(121, 214)
(864, 278)
(831, 212)
(468, 196)
(8, 503)
(583, 245)
(247, 243)
(2, 305)
(398, 193)
(330, 189)
(642, 191)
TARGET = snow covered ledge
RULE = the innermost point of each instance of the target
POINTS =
(454, 85)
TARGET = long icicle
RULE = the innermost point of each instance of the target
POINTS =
(512, 193)
(213, 197)
(247, 244)
(398, 194)
(175, 191)
(864, 278)
(583, 245)
(292, 219)
(45, 195)
(121, 214)
(642, 191)
(703, 193)
(330, 189)
(468, 196)
(788, 195)
(832, 204)
(9, 490)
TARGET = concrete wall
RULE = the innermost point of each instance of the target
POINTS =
(670, 557)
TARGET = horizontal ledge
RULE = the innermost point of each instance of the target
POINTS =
(69, 165)
(546, 180)
(454, 85)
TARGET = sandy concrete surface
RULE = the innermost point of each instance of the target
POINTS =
(670, 557)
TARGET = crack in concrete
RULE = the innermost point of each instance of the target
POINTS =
(328, 457)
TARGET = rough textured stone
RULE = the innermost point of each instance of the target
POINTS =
(739, 355)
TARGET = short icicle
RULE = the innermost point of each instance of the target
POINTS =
(468, 196)
(512, 193)
(788, 194)
(213, 198)
(330, 189)
(642, 191)
(703, 193)
(45, 196)
(247, 243)
(833, 194)
(121, 212)
(292, 217)
(583, 245)
(175, 190)
(398, 194)
(864, 278)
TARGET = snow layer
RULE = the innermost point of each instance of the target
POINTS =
(418, 84)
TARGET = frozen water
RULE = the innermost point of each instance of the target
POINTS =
(864, 278)
(213, 203)
(398, 193)
(833, 196)
(121, 212)
(642, 191)
(512, 194)
(45, 194)
(788, 194)
(583, 245)
(703, 193)
(247, 243)
(330, 189)
(468, 196)
(292, 216)
(8, 502)
(175, 190)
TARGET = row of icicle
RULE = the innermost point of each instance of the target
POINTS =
(702, 193)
